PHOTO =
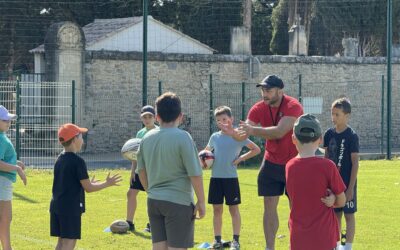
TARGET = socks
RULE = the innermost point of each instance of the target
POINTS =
(348, 246)
(236, 238)
(218, 238)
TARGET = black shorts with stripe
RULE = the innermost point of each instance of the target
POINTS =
(221, 188)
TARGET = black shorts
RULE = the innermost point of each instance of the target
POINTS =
(171, 222)
(136, 184)
(271, 179)
(351, 206)
(224, 187)
(65, 226)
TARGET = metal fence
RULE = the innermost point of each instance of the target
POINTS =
(41, 108)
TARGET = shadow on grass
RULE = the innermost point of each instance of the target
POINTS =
(142, 235)
(24, 198)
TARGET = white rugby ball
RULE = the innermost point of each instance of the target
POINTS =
(130, 148)
(119, 227)
(206, 158)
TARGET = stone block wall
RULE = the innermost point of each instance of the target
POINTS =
(113, 87)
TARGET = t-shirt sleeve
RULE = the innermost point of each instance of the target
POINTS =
(294, 109)
(139, 159)
(326, 139)
(354, 144)
(82, 172)
(254, 114)
(3, 148)
(210, 143)
(189, 157)
(245, 142)
(336, 183)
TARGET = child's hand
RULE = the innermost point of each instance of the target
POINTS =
(200, 209)
(93, 180)
(21, 165)
(329, 199)
(22, 175)
(238, 161)
(113, 180)
(349, 194)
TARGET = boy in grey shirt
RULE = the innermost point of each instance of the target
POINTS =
(169, 170)
(224, 182)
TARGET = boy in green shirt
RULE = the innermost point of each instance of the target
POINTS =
(147, 115)
(169, 170)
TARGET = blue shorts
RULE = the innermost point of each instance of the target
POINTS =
(6, 189)
(351, 206)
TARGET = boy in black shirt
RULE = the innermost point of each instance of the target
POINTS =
(342, 146)
(70, 181)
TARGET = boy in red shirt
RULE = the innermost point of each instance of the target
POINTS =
(312, 222)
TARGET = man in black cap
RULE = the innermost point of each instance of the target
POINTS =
(272, 119)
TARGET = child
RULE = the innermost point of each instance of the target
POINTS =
(224, 182)
(312, 222)
(70, 181)
(341, 146)
(147, 115)
(169, 169)
(9, 167)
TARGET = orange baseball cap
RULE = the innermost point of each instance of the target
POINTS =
(68, 131)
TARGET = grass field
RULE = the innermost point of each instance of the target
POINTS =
(377, 220)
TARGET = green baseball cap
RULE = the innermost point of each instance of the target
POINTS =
(307, 126)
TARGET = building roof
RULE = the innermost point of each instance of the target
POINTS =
(103, 28)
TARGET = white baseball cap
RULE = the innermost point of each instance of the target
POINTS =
(5, 115)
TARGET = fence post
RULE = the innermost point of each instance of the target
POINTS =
(211, 103)
(243, 101)
(17, 124)
(382, 110)
(159, 88)
(389, 79)
(300, 98)
(73, 102)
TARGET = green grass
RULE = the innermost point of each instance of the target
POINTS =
(377, 221)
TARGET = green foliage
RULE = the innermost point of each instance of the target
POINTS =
(280, 37)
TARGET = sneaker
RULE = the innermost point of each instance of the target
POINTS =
(216, 245)
(234, 245)
(147, 229)
(131, 226)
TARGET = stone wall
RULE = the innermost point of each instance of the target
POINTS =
(113, 86)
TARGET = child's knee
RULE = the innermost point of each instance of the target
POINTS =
(234, 210)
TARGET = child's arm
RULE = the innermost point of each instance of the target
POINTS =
(326, 152)
(93, 185)
(340, 200)
(6, 167)
(197, 183)
(143, 178)
(253, 151)
(133, 170)
(353, 177)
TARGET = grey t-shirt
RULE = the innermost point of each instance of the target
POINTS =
(226, 151)
(169, 157)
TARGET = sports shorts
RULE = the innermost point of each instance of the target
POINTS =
(271, 179)
(221, 188)
(6, 189)
(351, 206)
(65, 226)
(171, 222)
(136, 184)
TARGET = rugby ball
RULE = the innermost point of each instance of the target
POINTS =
(130, 148)
(119, 227)
(206, 158)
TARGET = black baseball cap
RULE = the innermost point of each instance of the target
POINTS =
(148, 109)
(307, 126)
(271, 81)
